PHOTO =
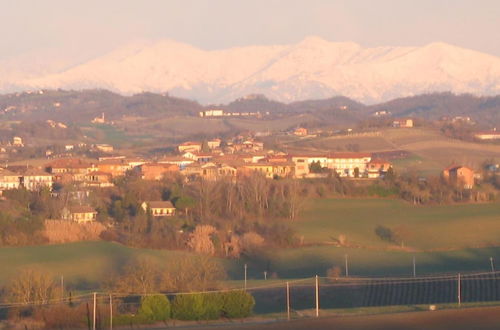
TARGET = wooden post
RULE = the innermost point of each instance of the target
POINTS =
(62, 288)
(94, 315)
(346, 266)
(317, 297)
(110, 312)
(288, 301)
(459, 290)
(414, 267)
(245, 277)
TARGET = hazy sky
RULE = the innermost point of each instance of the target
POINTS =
(94, 26)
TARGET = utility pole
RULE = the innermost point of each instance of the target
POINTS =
(110, 312)
(317, 297)
(245, 276)
(265, 275)
(94, 315)
(346, 265)
(492, 265)
(288, 301)
(62, 288)
(414, 267)
(459, 290)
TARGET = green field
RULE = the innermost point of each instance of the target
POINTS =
(420, 227)
(442, 237)
(85, 265)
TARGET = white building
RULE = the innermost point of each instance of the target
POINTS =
(346, 163)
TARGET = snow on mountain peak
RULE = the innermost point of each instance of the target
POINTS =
(311, 68)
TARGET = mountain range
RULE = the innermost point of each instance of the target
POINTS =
(310, 69)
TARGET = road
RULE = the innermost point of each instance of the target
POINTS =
(485, 318)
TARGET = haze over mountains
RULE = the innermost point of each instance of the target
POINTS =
(311, 69)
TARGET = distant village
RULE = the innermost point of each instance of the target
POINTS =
(212, 159)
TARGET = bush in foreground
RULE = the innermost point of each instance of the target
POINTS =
(237, 304)
(155, 308)
(211, 306)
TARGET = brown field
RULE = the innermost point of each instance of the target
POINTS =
(485, 318)
(364, 143)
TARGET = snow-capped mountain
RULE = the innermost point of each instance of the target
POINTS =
(312, 68)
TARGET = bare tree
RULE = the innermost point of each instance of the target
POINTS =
(200, 240)
(197, 273)
(140, 275)
(31, 287)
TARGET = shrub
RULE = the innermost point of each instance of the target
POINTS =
(188, 307)
(237, 304)
(155, 308)
(387, 234)
(211, 306)
(213, 303)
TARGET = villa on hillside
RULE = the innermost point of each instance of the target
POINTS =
(159, 208)
(79, 213)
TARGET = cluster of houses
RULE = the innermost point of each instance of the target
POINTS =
(209, 160)
(217, 113)
(86, 214)
(236, 158)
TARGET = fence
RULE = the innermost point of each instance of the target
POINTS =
(292, 298)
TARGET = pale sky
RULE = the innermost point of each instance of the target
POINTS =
(96, 26)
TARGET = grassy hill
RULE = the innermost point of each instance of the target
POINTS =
(420, 227)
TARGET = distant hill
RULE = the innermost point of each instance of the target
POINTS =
(83, 106)
(310, 69)
(484, 110)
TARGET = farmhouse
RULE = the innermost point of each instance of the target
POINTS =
(212, 113)
(159, 208)
(214, 143)
(98, 179)
(176, 160)
(301, 165)
(79, 213)
(264, 168)
(491, 135)
(201, 157)
(460, 175)
(104, 148)
(73, 168)
(35, 179)
(17, 141)
(9, 180)
(115, 167)
(189, 146)
(157, 171)
(300, 131)
(403, 123)
(377, 168)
